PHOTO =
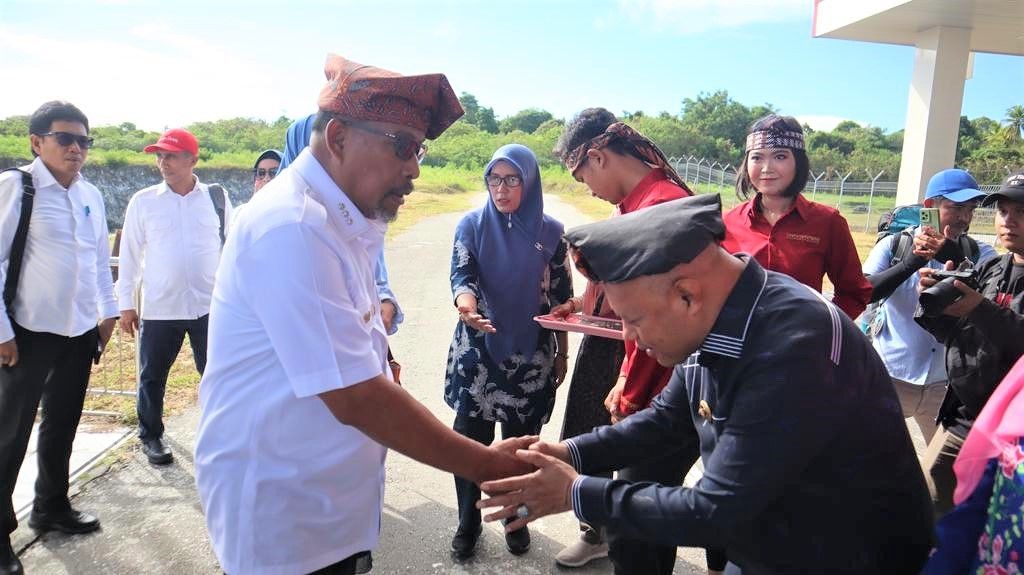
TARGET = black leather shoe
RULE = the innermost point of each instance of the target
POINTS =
(364, 563)
(70, 521)
(518, 541)
(9, 562)
(157, 451)
(464, 542)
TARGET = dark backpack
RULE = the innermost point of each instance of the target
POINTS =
(902, 220)
(898, 219)
(217, 194)
(28, 195)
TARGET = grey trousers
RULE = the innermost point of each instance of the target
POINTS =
(920, 403)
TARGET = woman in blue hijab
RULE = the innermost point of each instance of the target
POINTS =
(508, 265)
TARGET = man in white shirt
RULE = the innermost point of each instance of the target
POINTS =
(171, 245)
(915, 360)
(59, 319)
(298, 405)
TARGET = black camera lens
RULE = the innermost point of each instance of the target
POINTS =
(938, 297)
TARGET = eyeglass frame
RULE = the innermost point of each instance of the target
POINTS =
(396, 141)
(266, 172)
(84, 142)
(499, 180)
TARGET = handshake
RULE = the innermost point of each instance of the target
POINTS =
(528, 479)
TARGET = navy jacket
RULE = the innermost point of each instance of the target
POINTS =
(808, 464)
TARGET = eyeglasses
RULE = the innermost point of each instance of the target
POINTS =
(510, 181)
(582, 265)
(66, 139)
(406, 148)
(268, 173)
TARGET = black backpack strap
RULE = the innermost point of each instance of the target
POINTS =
(902, 246)
(217, 194)
(28, 195)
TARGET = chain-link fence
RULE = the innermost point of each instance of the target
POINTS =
(117, 372)
(861, 200)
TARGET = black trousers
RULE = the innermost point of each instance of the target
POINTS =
(481, 430)
(636, 557)
(54, 370)
(159, 343)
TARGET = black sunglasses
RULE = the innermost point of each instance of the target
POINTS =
(268, 173)
(582, 265)
(406, 148)
(66, 139)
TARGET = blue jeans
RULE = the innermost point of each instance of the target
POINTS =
(159, 343)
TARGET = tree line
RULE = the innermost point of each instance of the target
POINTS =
(711, 126)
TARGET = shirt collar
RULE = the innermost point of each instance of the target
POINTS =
(44, 177)
(801, 206)
(347, 218)
(729, 334)
(639, 191)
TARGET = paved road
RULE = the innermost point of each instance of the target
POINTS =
(151, 517)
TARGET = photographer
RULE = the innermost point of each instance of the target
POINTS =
(916, 362)
(983, 330)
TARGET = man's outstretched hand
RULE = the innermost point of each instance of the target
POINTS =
(504, 462)
(544, 492)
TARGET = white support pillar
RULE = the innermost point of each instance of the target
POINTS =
(933, 108)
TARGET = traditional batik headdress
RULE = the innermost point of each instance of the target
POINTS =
(771, 139)
(642, 147)
(358, 92)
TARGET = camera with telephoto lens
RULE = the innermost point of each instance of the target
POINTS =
(944, 294)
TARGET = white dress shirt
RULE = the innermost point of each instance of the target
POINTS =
(65, 286)
(172, 244)
(285, 487)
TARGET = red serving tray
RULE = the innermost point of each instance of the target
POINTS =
(588, 324)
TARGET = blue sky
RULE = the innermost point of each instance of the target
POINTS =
(168, 63)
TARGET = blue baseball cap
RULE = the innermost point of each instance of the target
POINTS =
(954, 185)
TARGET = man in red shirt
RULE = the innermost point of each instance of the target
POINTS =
(624, 168)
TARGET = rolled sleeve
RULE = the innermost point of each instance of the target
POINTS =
(308, 312)
(10, 211)
(129, 260)
(106, 300)
(384, 293)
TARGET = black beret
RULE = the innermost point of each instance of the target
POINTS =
(649, 241)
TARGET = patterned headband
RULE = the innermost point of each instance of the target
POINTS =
(643, 148)
(771, 139)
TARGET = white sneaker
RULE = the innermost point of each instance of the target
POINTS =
(580, 553)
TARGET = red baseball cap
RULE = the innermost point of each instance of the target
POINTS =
(175, 140)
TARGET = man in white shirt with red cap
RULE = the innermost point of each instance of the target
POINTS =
(171, 244)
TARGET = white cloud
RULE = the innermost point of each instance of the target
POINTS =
(693, 16)
(154, 77)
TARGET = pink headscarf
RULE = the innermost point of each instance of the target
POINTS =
(995, 434)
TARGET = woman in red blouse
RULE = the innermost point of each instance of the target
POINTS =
(783, 230)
